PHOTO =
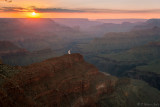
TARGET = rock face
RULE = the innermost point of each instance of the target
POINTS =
(0, 61)
(66, 81)
(8, 48)
(150, 77)
(62, 81)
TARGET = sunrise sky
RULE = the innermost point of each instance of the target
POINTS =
(92, 9)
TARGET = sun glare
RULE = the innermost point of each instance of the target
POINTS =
(33, 15)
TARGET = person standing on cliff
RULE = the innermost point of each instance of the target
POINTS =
(69, 52)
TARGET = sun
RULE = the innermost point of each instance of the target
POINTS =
(33, 13)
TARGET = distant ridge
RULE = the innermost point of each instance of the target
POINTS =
(119, 21)
(151, 23)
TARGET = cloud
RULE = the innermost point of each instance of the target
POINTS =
(41, 10)
(58, 10)
(61, 10)
(120, 11)
(13, 9)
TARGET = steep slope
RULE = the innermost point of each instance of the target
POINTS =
(116, 42)
(139, 63)
(29, 28)
(12, 54)
(70, 81)
(65, 79)
(39, 34)
(145, 53)
(8, 48)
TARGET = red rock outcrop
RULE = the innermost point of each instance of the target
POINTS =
(63, 81)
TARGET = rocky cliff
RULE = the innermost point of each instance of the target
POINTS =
(67, 81)
(0, 61)
(61, 81)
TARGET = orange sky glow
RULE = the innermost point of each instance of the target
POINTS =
(92, 9)
(79, 15)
